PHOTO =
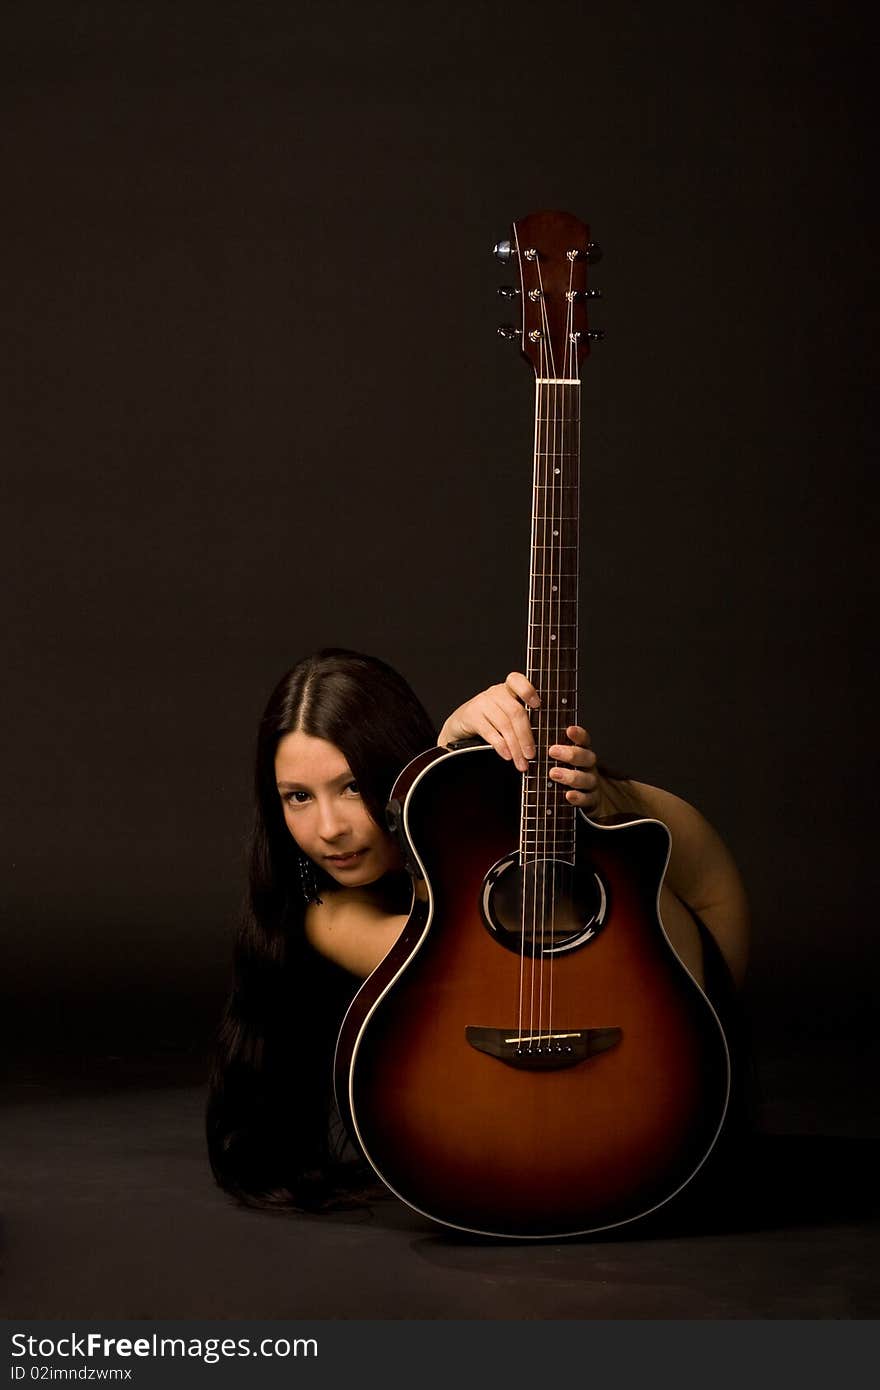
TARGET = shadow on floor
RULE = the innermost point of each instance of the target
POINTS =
(773, 1182)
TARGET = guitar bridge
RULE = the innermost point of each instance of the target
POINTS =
(545, 1050)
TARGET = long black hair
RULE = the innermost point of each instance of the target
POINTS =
(270, 1100)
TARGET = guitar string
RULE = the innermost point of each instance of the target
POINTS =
(532, 875)
(551, 439)
(538, 883)
(524, 797)
(543, 859)
(529, 868)
(555, 612)
(525, 790)
(565, 472)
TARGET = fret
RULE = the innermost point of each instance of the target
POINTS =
(567, 832)
(551, 648)
(561, 844)
(558, 710)
(544, 522)
(558, 849)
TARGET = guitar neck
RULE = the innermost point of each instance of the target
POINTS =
(552, 647)
(548, 827)
(552, 250)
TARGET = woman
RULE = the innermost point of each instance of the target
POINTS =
(328, 898)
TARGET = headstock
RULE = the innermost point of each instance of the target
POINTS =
(552, 251)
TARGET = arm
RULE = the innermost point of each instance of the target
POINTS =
(702, 873)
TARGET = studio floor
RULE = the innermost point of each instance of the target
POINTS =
(109, 1209)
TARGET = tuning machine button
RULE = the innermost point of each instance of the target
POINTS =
(504, 251)
(508, 291)
(507, 330)
(574, 295)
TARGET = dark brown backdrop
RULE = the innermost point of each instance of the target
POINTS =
(254, 403)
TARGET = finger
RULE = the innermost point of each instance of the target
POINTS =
(484, 726)
(512, 723)
(578, 734)
(522, 688)
(571, 777)
(519, 722)
(583, 788)
(571, 753)
(587, 801)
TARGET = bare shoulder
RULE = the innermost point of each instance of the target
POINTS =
(702, 872)
(351, 927)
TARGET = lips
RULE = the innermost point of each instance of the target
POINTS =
(343, 859)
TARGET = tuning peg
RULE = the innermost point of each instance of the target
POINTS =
(508, 291)
(574, 295)
(596, 335)
(594, 252)
(504, 251)
(507, 330)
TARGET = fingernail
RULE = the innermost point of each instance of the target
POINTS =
(534, 702)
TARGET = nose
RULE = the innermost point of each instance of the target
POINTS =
(332, 819)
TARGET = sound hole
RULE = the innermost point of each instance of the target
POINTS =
(545, 907)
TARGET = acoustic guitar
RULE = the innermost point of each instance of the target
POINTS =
(531, 1058)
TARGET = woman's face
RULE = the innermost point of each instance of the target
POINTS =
(325, 813)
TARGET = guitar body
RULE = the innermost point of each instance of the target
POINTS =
(562, 1089)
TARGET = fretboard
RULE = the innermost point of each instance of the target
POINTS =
(548, 820)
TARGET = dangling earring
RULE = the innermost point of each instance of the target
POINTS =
(308, 882)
